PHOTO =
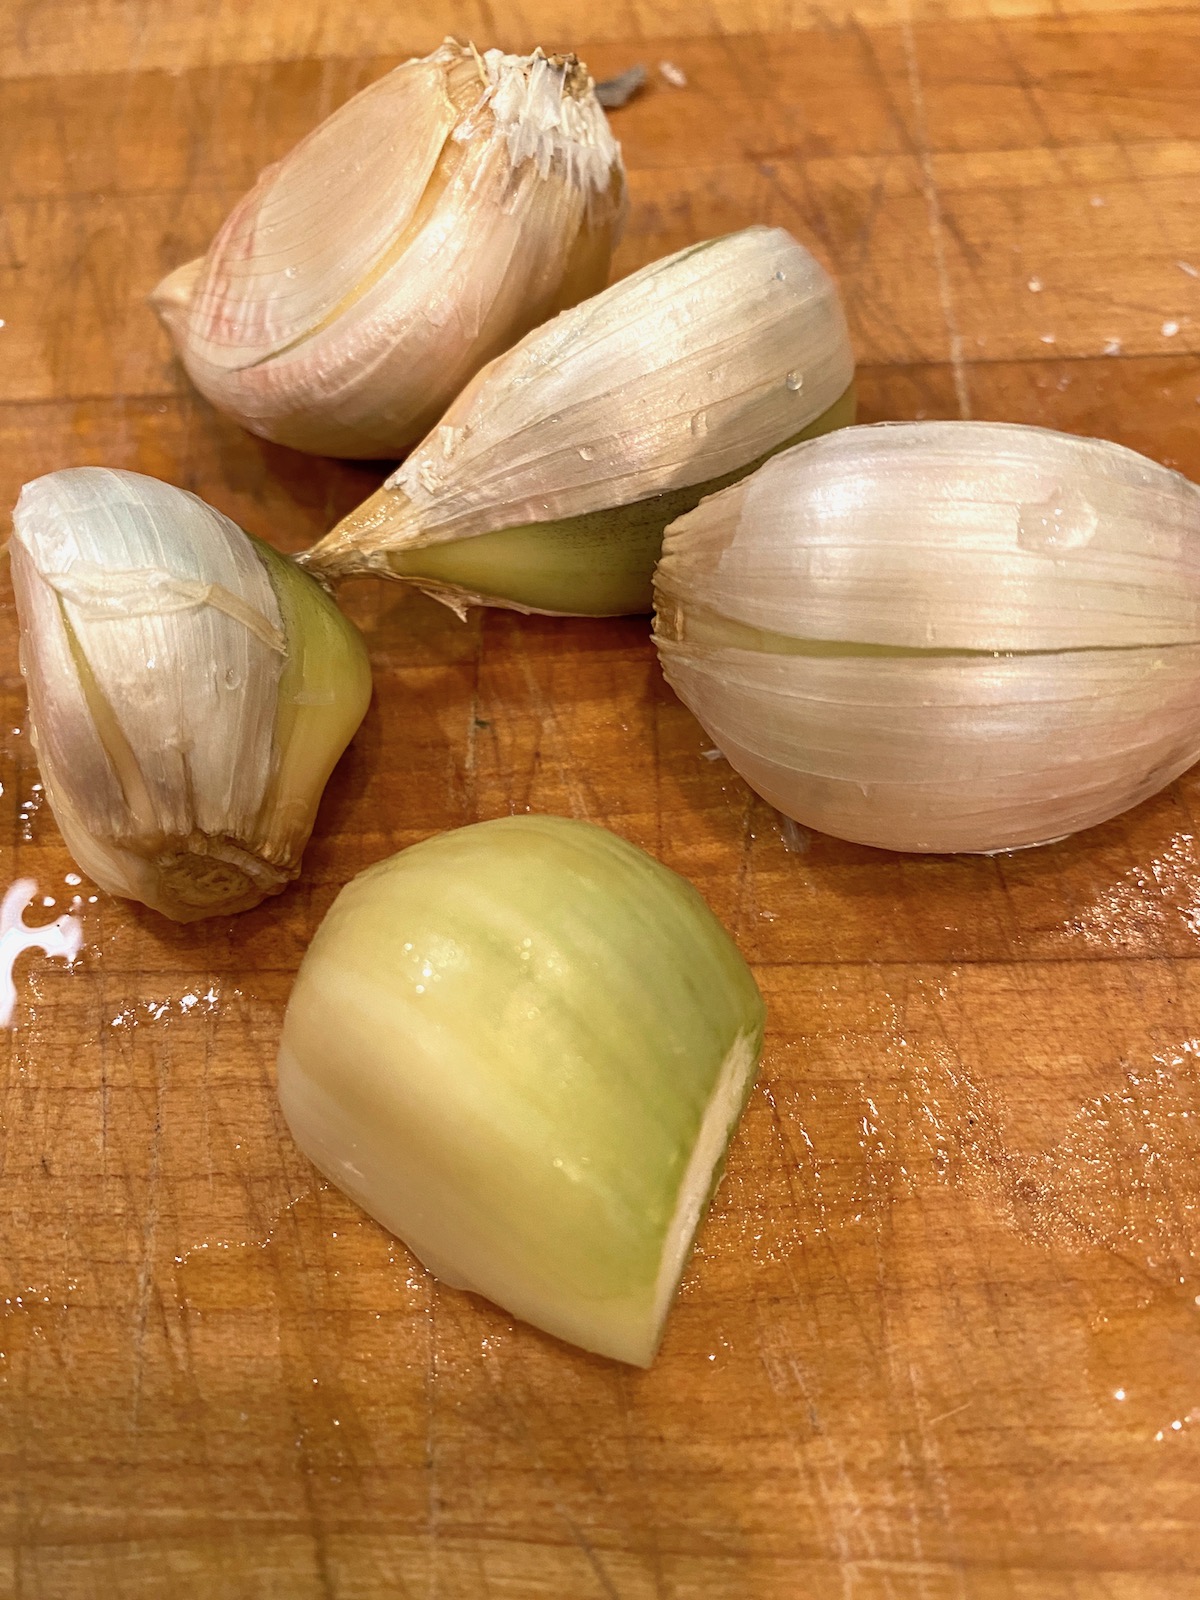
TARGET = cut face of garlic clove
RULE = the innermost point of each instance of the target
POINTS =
(190, 690)
(547, 484)
(420, 230)
(523, 1047)
(943, 636)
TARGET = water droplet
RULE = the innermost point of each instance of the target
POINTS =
(1170, 329)
(795, 381)
(700, 424)
(796, 840)
(586, 453)
(63, 937)
(289, 272)
(232, 678)
(1035, 286)
(1065, 520)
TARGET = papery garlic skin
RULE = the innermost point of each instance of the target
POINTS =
(523, 1046)
(547, 484)
(415, 234)
(943, 636)
(190, 690)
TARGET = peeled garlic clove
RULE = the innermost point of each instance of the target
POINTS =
(548, 483)
(523, 1047)
(190, 690)
(945, 635)
(420, 230)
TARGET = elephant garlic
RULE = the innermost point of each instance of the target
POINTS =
(415, 234)
(548, 483)
(945, 635)
(523, 1047)
(190, 690)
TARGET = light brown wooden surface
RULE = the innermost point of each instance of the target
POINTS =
(941, 1337)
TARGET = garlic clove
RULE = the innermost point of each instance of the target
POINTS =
(461, 200)
(190, 690)
(318, 222)
(943, 636)
(523, 1047)
(547, 484)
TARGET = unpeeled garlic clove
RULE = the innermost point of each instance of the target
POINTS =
(190, 690)
(416, 233)
(548, 483)
(943, 636)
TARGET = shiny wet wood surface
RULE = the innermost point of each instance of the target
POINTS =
(941, 1336)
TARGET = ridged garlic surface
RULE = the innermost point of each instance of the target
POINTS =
(416, 233)
(946, 636)
(190, 690)
(547, 484)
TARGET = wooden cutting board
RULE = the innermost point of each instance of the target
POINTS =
(941, 1336)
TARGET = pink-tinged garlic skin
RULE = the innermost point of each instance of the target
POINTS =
(409, 239)
(943, 636)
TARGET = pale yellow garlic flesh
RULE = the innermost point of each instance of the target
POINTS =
(190, 690)
(943, 636)
(523, 1046)
(548, 482)
(415, 234)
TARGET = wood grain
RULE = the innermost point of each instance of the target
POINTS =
(73, 36)
(940, 1338)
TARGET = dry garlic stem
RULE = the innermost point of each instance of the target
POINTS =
(420, 230)
(548, 483)
(190, 690)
